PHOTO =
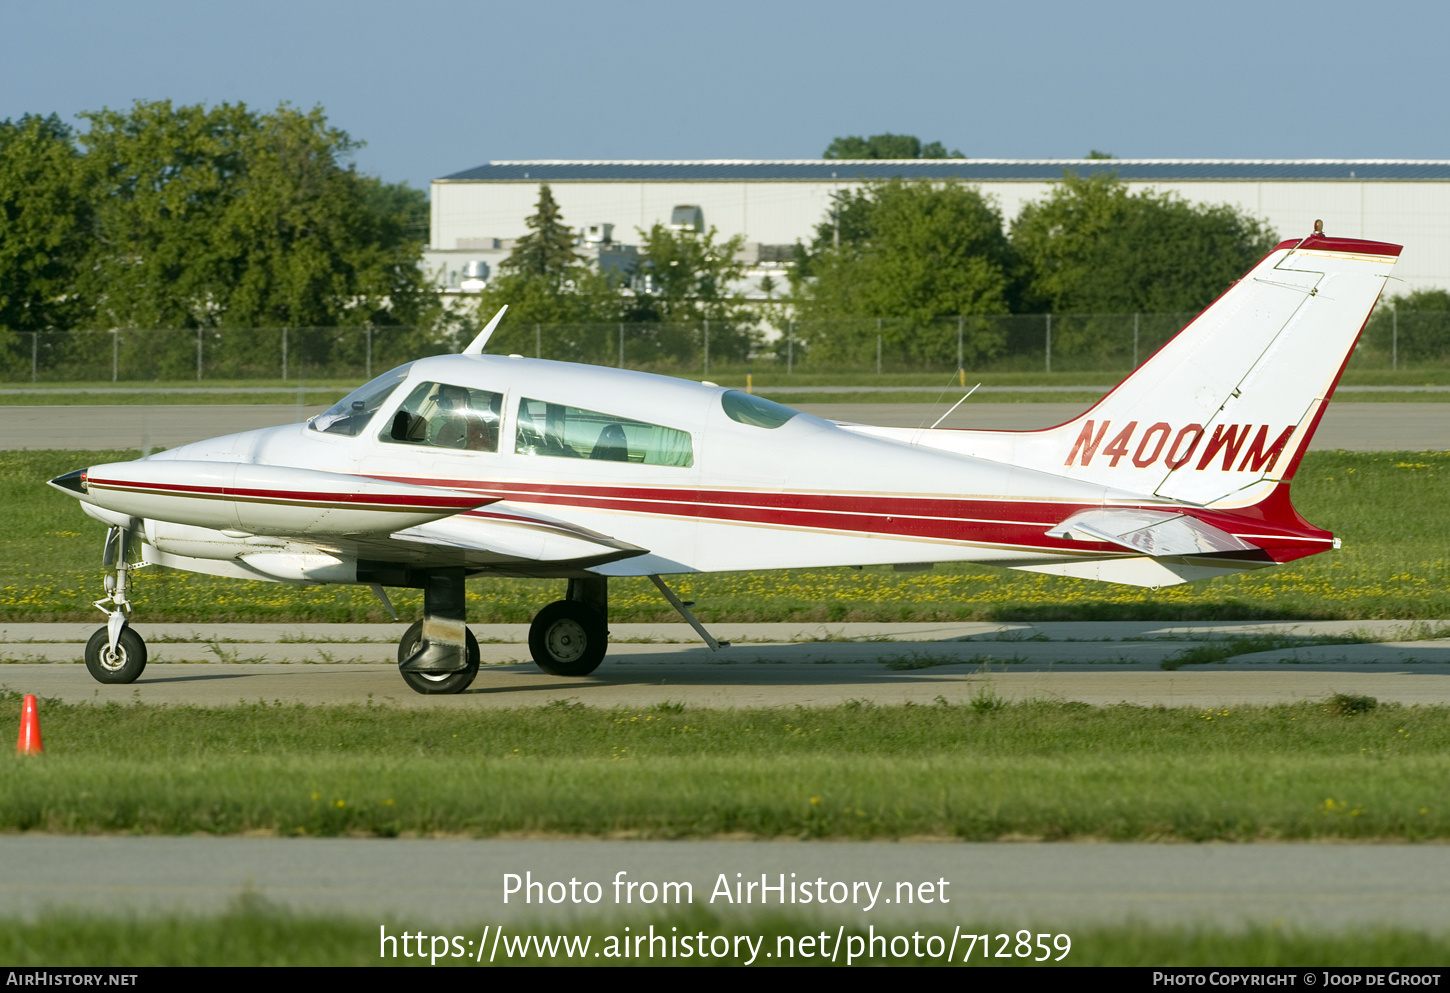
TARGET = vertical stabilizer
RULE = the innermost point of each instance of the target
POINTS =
(1222, 413)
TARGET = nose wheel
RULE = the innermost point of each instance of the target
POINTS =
(121, 664)
(116, 653)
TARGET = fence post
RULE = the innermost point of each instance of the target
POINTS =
(707, 346)
(115, 353)
(960, 366)
(1135, 341)
(284, 353)
(1049, 343)
(368, 369)
(1394, 339)
(878, 346)
(34, 354)
(198, 355)
(538, 342)
(621, 344)
(789, 345)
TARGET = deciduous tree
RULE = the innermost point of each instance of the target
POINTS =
(1414, 327)
(887, 146)
(46, 214)
(912, 252)
(221, 216)
(1094, 247)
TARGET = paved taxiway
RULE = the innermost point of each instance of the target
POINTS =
(770, 665)
(1351, 426)
(460, 882)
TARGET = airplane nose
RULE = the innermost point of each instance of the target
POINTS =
(73, 481)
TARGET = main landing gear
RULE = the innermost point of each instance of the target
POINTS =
(567, 638)
(116, 653)
(439, 655)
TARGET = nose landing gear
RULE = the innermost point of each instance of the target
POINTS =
(116, 653)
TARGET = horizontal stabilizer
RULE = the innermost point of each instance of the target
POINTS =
(1151, 532)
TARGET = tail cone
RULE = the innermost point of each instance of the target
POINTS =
(29, 743)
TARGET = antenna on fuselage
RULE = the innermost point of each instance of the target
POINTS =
(475, 347)
(954, 407)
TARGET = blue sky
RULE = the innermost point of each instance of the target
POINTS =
(434, 87)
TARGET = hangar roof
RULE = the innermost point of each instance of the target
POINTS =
(737, 170)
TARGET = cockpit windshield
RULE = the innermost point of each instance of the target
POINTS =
(351, 414)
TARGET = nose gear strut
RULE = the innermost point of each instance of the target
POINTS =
(115, 653)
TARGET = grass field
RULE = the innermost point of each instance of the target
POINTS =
(254, 934)
(1345, 769)
(1390, 509)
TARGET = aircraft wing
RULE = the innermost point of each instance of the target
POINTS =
(504, 534)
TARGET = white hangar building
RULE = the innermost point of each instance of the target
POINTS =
(478, 212)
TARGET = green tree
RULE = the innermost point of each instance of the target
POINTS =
(690, 276)
(45, 224)
(686, 278)
(910, 254)
(544, 280)
(226, 217)
(887, 146)
(1093, 247)
(547, 252)
(1412, 328)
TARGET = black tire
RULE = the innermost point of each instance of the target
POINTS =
(431, 685)
(568, 638)
(128, 662)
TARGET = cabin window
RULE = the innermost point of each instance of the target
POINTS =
(443, 416)
(754, 410)
(561, 431)
(353, 412)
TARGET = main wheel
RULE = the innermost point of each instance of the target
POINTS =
(568, 638)
(436, 683)
(121, 666)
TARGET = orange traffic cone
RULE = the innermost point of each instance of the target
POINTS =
(29, 743)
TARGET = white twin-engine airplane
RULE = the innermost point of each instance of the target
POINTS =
(463, 465)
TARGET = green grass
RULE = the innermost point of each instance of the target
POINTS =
(988, 770)
(1227, 648)
(1389, 508)
(255, 933)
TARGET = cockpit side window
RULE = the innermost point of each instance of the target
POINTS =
(353, 412)
(757, 411)
(561, 431)
(444, 416)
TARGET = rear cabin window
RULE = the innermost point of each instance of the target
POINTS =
(754, 410)
(561, 431)
(443, 416)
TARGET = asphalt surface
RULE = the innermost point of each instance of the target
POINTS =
(460, 883)
(769, 665)
(1349, 426)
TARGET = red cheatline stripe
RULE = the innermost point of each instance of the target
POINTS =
(872, 514)
(362, 501)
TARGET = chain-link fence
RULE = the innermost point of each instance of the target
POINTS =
(1045, 343)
